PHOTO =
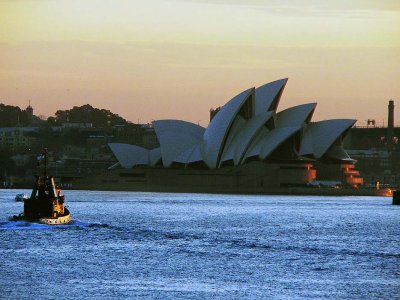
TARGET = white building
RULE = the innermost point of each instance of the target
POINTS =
(247, 128)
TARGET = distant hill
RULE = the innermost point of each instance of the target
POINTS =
(88, 114)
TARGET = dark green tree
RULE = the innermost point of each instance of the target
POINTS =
(11, 116)
(88, 114)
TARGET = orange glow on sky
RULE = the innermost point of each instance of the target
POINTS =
(158, 59)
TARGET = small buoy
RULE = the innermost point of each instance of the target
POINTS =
(396, 198)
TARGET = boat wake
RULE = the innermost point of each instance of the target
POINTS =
(74, 224)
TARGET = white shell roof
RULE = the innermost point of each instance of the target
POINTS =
(295, 116)
(229, 146)
(255, 143)
(270, 141)
(337, 152)
(175, 137)
(243, 139)
(320, 136)
(130, 155)
(238, 132)
(154, 156)
(195, 156)
(266, 94)
(218, 129)
(190, 155)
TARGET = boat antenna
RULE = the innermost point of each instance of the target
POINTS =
(45, 154)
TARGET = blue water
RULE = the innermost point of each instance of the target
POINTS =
(201, 246)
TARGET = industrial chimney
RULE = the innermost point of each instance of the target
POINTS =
(390, 131)
(391, 114)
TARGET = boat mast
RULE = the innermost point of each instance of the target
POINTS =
(45, 162)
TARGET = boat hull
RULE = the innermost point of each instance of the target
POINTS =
(56, 221)
(61, 220)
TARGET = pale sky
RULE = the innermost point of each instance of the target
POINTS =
(165, 59)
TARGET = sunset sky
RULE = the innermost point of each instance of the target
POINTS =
(161, 59)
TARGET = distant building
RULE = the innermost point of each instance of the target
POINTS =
(137, 134)
(16, 136)
(98, 140)
(377, 151)
(75, 125)
(21, 160)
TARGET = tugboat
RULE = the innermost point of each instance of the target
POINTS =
(46, 203)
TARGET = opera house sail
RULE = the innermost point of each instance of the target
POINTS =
(248, 146)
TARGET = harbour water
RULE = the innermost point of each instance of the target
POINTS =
(202, 246)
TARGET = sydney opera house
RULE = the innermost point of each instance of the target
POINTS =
(248, 146)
